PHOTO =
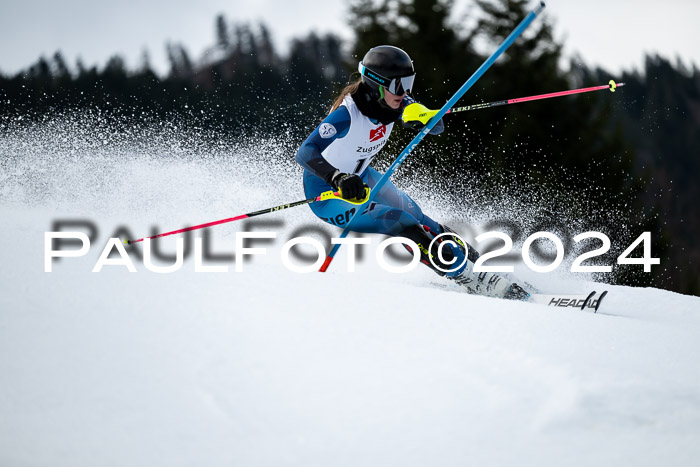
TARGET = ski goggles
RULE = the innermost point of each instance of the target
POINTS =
(395, 86)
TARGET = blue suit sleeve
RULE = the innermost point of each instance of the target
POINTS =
(333, 127)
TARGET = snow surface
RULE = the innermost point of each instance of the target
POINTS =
(271, 367)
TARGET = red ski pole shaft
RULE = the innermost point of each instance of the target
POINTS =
(611, 86)
(323, 196)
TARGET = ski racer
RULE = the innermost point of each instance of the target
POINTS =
(337, 156)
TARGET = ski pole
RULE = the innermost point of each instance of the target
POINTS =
(322, 197)
(426, 115)
(611, 86)
(419, 137)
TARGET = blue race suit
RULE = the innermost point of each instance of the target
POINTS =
(391, 211)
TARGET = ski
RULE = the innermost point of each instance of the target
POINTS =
(581, 302)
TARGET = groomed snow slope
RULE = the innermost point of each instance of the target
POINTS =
(270, 367)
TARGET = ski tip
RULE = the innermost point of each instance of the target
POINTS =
(585, 302)
(600, 300)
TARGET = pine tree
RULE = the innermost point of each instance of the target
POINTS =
(222, 37)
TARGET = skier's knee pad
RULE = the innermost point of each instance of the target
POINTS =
(467, 249)
(432, 255)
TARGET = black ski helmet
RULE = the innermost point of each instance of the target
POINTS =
(387, 67)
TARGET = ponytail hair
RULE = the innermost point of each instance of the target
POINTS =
(349, 89)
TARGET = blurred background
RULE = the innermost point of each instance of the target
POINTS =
(624, 162)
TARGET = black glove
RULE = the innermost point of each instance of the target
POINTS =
(349, 186)
(415, 116)
(414, 125)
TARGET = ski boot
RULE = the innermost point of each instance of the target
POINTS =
(488, 284)
(480, 283)
(484, 283)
